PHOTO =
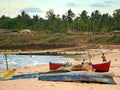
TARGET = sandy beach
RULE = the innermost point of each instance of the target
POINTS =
(35, 84)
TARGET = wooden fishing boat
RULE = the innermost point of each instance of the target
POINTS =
(35, 75)
(100, 67)
(78, 76)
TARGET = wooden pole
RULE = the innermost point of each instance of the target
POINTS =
(6, 61)
(30, 54)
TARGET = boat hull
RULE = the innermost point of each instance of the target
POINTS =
(25, 76)
(78, 77)
(35, 75)
(102, 67)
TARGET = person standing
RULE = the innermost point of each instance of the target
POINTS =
(103, 57)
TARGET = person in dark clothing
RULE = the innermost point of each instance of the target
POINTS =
(103, 57)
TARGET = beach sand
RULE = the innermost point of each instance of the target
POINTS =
(35, 84)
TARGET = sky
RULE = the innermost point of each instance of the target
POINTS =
(12, 8)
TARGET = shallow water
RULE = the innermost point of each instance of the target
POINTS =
(15, 61)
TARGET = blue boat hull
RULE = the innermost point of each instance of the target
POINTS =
(35, 75)
(25, 76)
(78, 76)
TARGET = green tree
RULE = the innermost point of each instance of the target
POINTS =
(84, 20)
(70, 15)
(84, 16)
(96, 18)
(106, 22)
(23, 21)
(64, 24)
(4, 22)
(36, 23)
(53, 21)
(116, 16)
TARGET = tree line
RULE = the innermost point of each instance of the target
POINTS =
(53, 23)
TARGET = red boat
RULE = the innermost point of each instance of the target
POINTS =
(101, 67)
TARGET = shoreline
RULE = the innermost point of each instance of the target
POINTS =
(35, 84)
(60, 51)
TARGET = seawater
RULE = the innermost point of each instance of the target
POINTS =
(15, 61)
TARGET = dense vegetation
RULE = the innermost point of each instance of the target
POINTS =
(96, 22)
(58, 30)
